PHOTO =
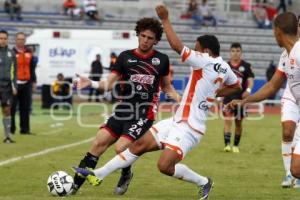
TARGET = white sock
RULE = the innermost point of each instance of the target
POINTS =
(122, 160)
(182, 172)
(286, 149)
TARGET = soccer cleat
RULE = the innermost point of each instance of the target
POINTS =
(227, 148)
(88, 174)
(296, 183)
(287, 182)
(235, 149)
(8, 140)
(74, 189)
(205, 189)
(123, 184)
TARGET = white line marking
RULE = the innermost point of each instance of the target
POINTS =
(46, 151)
(53, 132)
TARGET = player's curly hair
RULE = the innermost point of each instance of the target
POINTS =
(149, 24)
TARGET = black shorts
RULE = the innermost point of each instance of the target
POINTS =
(6, 96)
(131, 129)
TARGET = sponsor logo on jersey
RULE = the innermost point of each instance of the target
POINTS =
(203, 106)
(139, 87)
(142, 78)
(242, 69)
(9, 54)
(219, 69)
(155, 61)
(131, 61)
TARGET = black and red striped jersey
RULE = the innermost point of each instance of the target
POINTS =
(139, 83)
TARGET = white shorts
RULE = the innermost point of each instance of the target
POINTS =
(297, 149)
(289, 111)
(179, 137)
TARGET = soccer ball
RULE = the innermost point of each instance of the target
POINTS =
(60, 183)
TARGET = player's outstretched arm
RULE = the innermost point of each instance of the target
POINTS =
(172, 37)
(168, 88)
(102, 86)
(269, 89)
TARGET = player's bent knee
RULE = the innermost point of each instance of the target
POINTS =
(288, 135)
(165, 168)
(138, 148)
(119, 149)
(99, 146)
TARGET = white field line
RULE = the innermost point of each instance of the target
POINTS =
(43, 152)
(53, 132)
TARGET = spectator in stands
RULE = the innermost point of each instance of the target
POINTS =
(90, 9)
(68, 6)
(25, 78)
(61, 92)
(95, 75)
(192, 6)
(12, 7)
(207, 14)
(281, 6)
(261, 16)
(202, 14)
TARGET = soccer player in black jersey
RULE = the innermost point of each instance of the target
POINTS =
(243, 71)
(141, 72)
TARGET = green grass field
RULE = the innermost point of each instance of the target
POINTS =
(255, 173)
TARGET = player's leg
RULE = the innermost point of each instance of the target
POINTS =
(237, 134)
(296, 140)
(132, 131)
(228, 119)
(289, 118)
(106, 136)
(295, 164)
(151, 141)
(6, 101)
(126, 158)
(180, 140)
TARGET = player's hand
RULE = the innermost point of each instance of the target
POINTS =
(245, 94)
(14, 91)
(162, 12)
(233, 104)
(82, 82)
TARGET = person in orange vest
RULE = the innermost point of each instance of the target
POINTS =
(26, 79)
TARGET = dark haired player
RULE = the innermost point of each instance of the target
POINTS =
(210, 76)
(286, 35)
(243, 71)
(141, 72)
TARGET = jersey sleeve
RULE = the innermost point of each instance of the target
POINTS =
(280, 67)
(118, 67)
(166, 68)
(250, 73)
(231, 79)
(195, 59)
